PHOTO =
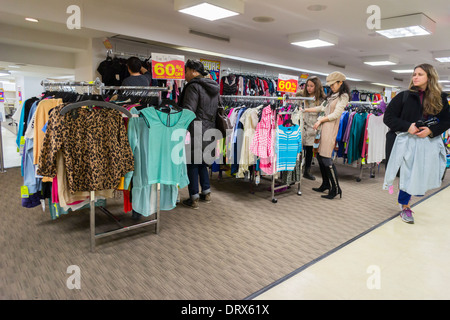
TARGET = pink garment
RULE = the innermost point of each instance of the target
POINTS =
(55, 198)
(262, 143)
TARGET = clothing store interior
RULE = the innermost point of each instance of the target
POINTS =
(93, 207)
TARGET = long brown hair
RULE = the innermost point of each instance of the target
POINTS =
(319, 94)
(432, 101)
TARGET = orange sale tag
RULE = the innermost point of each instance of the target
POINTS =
(167, 67)
(287, 83)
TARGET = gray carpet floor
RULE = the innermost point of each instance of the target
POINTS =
(228, 249)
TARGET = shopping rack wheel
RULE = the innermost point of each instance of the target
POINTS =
(274, 200)
(299, 193)
(358, 179)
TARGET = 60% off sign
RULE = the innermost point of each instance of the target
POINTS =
(167, 67)
(287, 83)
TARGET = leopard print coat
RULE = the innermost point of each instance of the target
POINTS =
(95, 146)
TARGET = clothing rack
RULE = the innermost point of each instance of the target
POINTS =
(90, 86)
(284, 99)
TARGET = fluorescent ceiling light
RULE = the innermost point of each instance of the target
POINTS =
(404, 69)
(385, 60)
(210, 9)
(32, 19)
(313, 39)
(407, 26)
(442, 56)
(384, 85)
(269, 64)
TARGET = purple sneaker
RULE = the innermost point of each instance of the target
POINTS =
(406, 215)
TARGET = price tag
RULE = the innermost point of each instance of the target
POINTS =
(167, 66)
(287, 83)
(24, 192)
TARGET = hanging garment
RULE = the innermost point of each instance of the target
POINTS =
(249, 121)
(421, 162)
(376, 133)
(288, 146)
(40, 119)
(160, 157)
(94, 144)
(356, 136)
(263, 141)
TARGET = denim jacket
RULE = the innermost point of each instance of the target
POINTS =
(422, 162)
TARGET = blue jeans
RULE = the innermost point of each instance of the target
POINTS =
(195, 173)
(403, 197)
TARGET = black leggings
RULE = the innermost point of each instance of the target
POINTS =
(308, 156)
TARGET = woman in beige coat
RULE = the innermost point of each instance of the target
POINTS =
(333, 107)
(313, 88)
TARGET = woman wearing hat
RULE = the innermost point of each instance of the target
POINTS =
(333, 107)
(200, 95)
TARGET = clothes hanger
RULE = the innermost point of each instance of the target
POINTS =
(97, 101)
(168, 105)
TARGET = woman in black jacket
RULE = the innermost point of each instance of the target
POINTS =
(425, 101)
(200, 95)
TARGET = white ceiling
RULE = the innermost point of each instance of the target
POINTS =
(156, 20)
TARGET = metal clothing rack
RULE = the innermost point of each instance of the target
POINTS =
(90, 86)
(284, 99)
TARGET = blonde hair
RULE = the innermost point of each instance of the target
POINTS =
(432, 101)
(319, 94)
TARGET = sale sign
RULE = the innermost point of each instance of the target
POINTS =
(287, 83)
(167, 66)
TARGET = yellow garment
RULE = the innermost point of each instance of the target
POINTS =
(41, 118)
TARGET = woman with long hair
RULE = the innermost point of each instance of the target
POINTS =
(313, 89)
(410, 111)
(333, 107)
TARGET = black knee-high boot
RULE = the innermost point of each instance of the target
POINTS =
(325, 180)
(335, 188)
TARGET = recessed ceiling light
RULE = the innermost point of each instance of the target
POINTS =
(407, 26)
(442, 56)
(316, 7)
(32, 19)
(263, 19)
(404, 69)
(313, 39)
(384, 60)
(210, 9)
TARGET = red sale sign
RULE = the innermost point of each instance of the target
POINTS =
(167, 67)
(287, 83)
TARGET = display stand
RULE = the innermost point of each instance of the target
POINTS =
(98, 85)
